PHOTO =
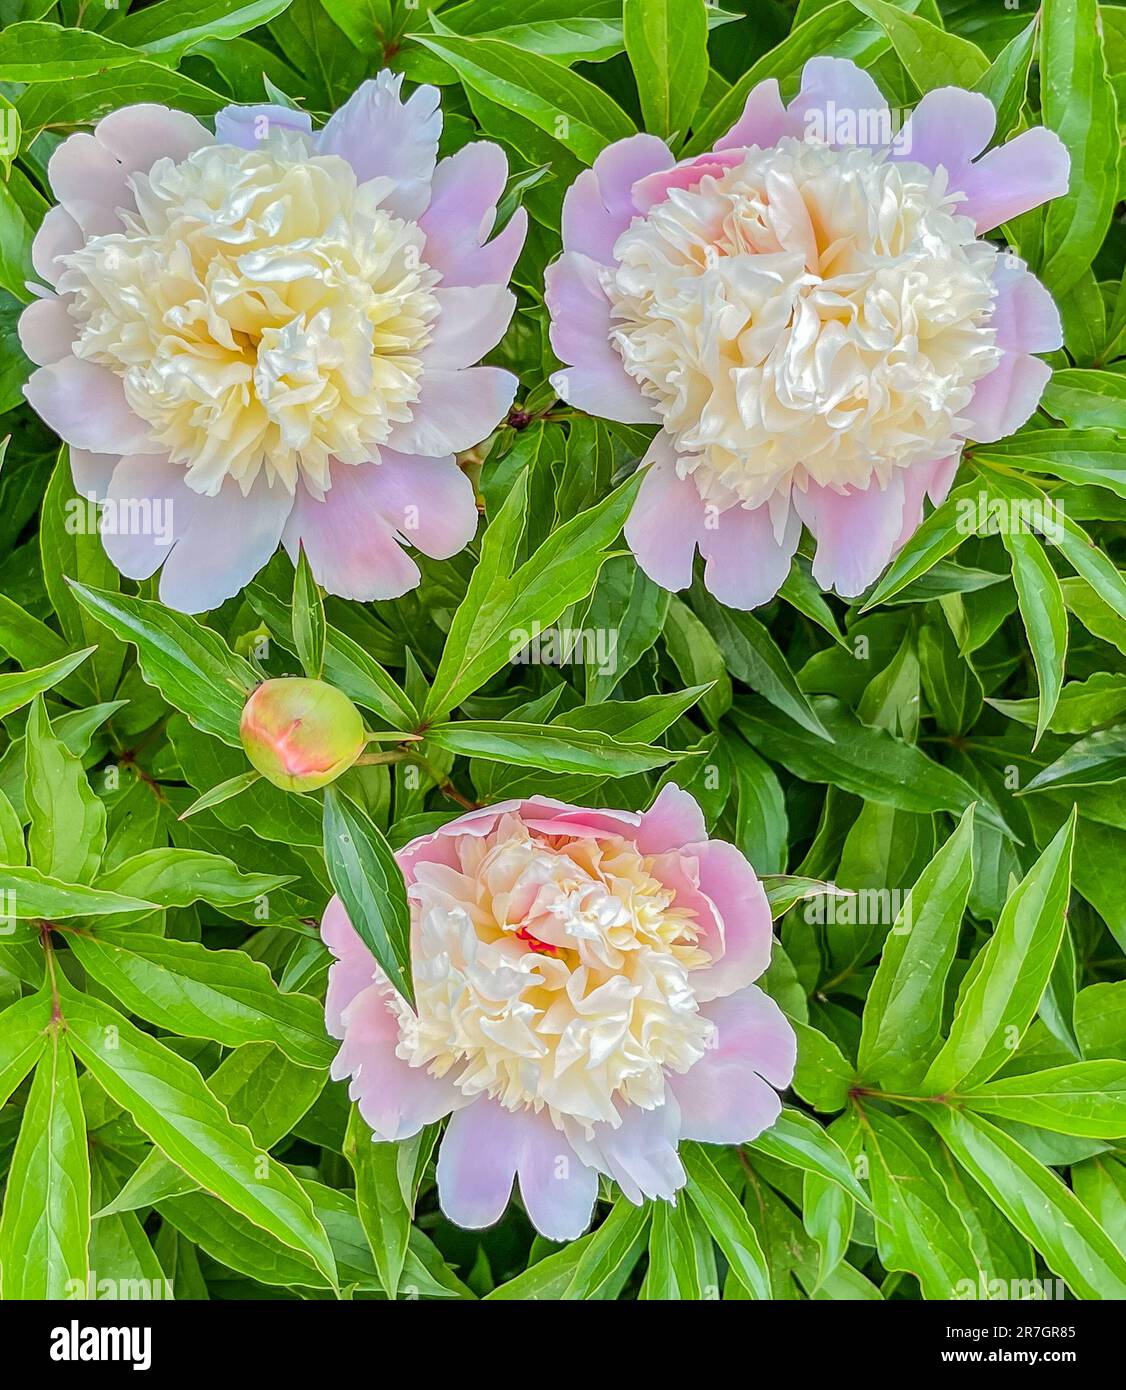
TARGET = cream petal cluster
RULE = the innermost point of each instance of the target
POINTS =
(584, 999)
(269, 333)
(813, 323)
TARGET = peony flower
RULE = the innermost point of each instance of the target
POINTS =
(584, 1001)
(269, 334)
(301, 734)
(811, 322)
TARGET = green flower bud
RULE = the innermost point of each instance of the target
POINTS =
(301, 734)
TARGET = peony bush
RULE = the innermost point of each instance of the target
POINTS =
(563, 651)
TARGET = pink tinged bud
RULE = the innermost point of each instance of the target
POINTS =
(301, 734)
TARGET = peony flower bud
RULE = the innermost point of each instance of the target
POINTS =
(301, 734)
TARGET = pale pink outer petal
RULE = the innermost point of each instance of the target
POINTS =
(380, 135)
(429, 502)
(464, 194)
(158, 485)
(764, 120)
(89, 173)
(351, 972)
(92, 472)
(673, 821)
(58, 235)
(728, 880)
(746, 563)
(1025, 317)
(599, 205)
(90, 183)
(856, 531)
(594, 379)
(948, 128)
(942, 477)
(557, 1188)
(1015, 177)
(477, 1165)
(454, 411)
(471, 321)
(85, 405)
(228, 539)
(247, 126)
(352, 549)
(655, 188)
(1006, 398)
(395, 1099)
(538, 812)
(140, 135)
(640, 1154)
(725, 1098)
(848, 87)
(666, 521)
(916, 480)
(46, 330)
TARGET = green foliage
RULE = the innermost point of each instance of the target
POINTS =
(927, 778)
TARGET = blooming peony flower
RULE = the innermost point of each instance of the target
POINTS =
(812, 323)
(270, 331)
(584, 1000)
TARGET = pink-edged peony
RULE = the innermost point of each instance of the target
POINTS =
(584, 1001)
(270, 333)
(812, 323)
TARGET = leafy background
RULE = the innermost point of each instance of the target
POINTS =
(959, 1108)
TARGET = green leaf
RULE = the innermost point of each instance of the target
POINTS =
(903, 1012)
(1086, 1098)
(610, 1253)
(667, 43)
(191, 666)
(1007, 981)
(932, 57)
(364, 873)
(198, 992)
(45, 1227)
(178, 877)
(40, 52)
(170, 1102)
(823, 1076)
(23, 1036)
(798, 1140)
(384, 1214)
(727, 1222)
(1096, 760)
(19, 688)
(1085, 399)
(1040, 599)
(31, 894)
(1043, 1210)
(918, 1227)
(573, 111)
(867, 762)
(1079, 456)
(346, 664)
(172, 27)
(308, 617)
(503, 606)
(547, 746)
(755, 658)
(1079, 105)
(1006, 82)
(261, 1089)
(68, 822)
